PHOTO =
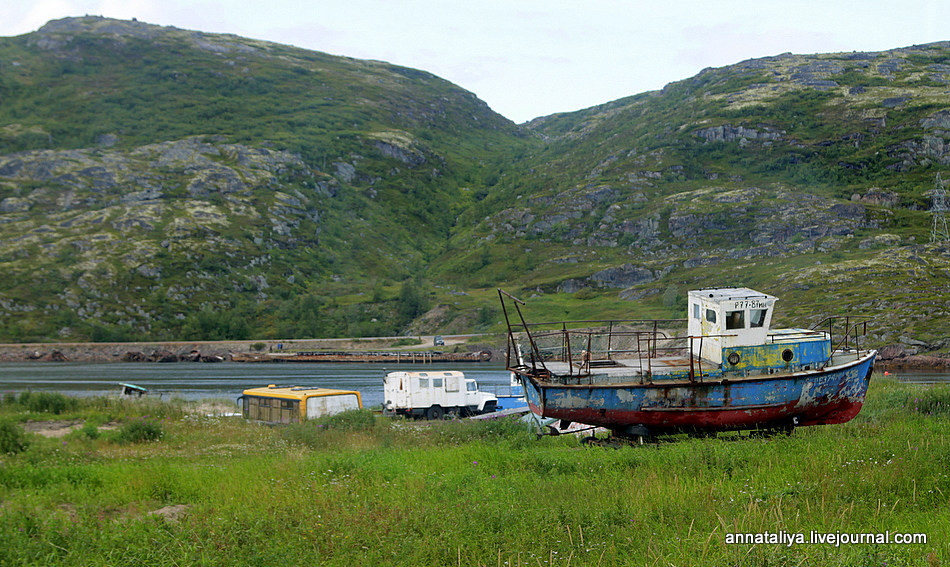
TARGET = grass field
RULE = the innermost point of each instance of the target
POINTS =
(168, 486)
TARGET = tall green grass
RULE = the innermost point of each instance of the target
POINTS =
(359, 489)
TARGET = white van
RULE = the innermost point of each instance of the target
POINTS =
(434, 394)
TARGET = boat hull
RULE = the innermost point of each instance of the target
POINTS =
(815, 397)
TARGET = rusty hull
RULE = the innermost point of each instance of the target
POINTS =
(830, 395)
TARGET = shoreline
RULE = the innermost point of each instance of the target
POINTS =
(222, 351)
(217, 351)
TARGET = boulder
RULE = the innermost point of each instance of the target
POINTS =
(163, 356)
(131, 356)
(571, 286)
(891, 352)
(729, 133)
(623, 276)
(939, 120)
(877, 196)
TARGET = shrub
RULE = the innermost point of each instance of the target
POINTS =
(327, 431)
(140, 431)
(353, 420)
(585, 293)
(47, 402)
(12, 439)
(90, 430)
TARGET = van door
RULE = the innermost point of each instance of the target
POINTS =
(471, 392)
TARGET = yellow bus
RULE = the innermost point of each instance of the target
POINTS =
(273, 404)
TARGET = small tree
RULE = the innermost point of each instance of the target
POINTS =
(411, 302)
(670, 295)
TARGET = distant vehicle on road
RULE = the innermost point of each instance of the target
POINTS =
(438, 341)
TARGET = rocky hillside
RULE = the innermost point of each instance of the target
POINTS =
(163, 184)
(156, 182)
(806, 176)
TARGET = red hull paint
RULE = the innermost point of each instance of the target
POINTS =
(709, 419)
(722, 375)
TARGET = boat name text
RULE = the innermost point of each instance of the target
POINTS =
(750, 304)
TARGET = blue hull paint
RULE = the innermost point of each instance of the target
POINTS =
(729, 370)
(815, 397)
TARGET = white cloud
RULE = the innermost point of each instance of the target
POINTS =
(21, 17)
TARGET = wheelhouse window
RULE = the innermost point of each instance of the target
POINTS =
(711, 315)
(735, 320)
(696, 311)
(757, 317)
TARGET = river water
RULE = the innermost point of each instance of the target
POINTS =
(921, 376)
(195, 381)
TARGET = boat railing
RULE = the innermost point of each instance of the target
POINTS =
(796, 336)
(850, 329)
(587, 344)
(587, 349)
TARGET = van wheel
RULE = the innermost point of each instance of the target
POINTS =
(435, 412)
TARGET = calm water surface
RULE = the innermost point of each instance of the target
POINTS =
(921, 376)
(225, 380)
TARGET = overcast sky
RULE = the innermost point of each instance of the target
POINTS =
(529, 58)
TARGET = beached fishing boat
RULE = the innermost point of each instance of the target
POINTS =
(721, 369)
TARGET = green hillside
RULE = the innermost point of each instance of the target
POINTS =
(809, 177)
(158, 183)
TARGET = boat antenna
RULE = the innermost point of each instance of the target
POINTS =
(536, 354)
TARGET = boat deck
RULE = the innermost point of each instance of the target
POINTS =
(629, 370)
(669, 368)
